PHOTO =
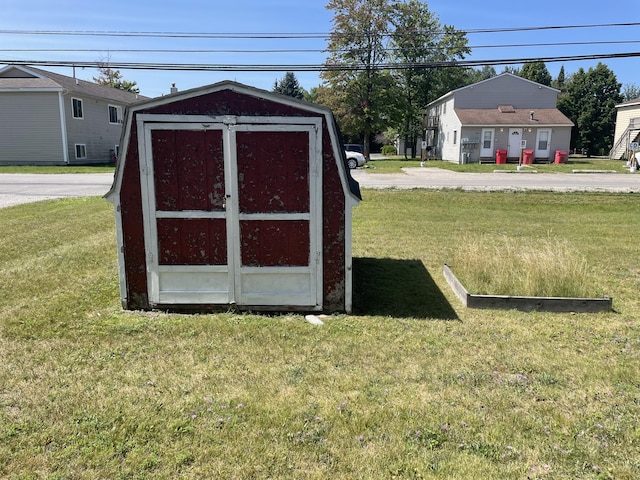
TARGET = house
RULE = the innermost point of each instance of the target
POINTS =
(505, 112)
(227, 196)
(627, 128)
(51, 119)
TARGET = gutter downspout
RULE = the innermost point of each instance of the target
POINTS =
(63, 129)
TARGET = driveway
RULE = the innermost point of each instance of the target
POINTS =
(437, 178)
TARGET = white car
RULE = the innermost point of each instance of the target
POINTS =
(355, 159)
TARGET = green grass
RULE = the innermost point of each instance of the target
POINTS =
(412, 385)
(57, 169)
(396, 164)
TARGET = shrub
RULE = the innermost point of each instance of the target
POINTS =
(389, 150)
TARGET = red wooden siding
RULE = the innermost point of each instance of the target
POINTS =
(192, 241)
(188, 169)
(272, 243)
(273, 172)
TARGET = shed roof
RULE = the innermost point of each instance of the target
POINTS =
(512, 116)
(351, 185)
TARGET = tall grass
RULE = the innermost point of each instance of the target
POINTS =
(497, 264)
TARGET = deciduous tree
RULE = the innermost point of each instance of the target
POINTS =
(113, 78)
(418, 38)
(536, 72)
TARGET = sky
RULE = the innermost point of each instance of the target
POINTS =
(19, 19)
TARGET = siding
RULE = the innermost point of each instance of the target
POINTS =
(94, 130)
(448, 124)
(31, 133)
(506, 90)
(623, 116)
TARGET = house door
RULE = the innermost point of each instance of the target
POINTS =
(486, 149)
(515, 139)
(231, 213)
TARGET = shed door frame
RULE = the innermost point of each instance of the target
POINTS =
(240, 281)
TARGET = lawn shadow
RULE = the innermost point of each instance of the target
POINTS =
(397, 288)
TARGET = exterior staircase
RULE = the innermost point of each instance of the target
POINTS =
(631, 134)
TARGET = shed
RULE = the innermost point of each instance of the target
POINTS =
(230, 196)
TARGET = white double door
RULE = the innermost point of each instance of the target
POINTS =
(232, 210)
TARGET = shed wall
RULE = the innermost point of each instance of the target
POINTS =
(227, 102)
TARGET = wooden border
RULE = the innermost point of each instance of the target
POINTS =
(526, 304)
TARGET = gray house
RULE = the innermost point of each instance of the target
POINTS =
(52, 119)
(505, 112)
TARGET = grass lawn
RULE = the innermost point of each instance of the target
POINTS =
(411, 385)
(396, 164)
(57, 169)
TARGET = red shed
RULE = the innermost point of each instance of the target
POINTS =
(227, 195)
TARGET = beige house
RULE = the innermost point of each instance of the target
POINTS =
(627, 128)
(505, 112)
(51, 119)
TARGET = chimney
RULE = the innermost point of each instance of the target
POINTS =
(174, 89)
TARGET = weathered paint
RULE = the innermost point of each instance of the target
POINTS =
(269, 181)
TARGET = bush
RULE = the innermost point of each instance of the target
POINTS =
(389, 150)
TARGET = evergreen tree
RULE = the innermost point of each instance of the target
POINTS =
(560, 80)
(536, 72)
(289, 86)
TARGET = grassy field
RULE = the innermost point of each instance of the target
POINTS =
(396, 164)
(411, 385)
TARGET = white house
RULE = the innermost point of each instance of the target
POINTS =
(505, 112)
(51, 119)
(627, 128)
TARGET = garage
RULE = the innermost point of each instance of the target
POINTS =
(230, 196)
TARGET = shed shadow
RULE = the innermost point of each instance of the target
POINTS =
(397, 288)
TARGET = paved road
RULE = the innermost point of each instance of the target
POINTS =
(16, 188)
(437, 178)
(23, 188)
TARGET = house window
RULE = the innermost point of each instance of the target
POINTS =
(76, 106)
(81, 151)
(115, 114)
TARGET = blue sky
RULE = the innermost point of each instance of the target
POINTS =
(296, 16)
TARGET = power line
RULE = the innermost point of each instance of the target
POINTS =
(313, 67)
(297, 35)
(299, 50)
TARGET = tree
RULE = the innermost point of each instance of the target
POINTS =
(630, 91)
(289, 86)
(357, 86)
(418, 38)
(560, 80)
(536, 72)
(590, 102)
(113, 78)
